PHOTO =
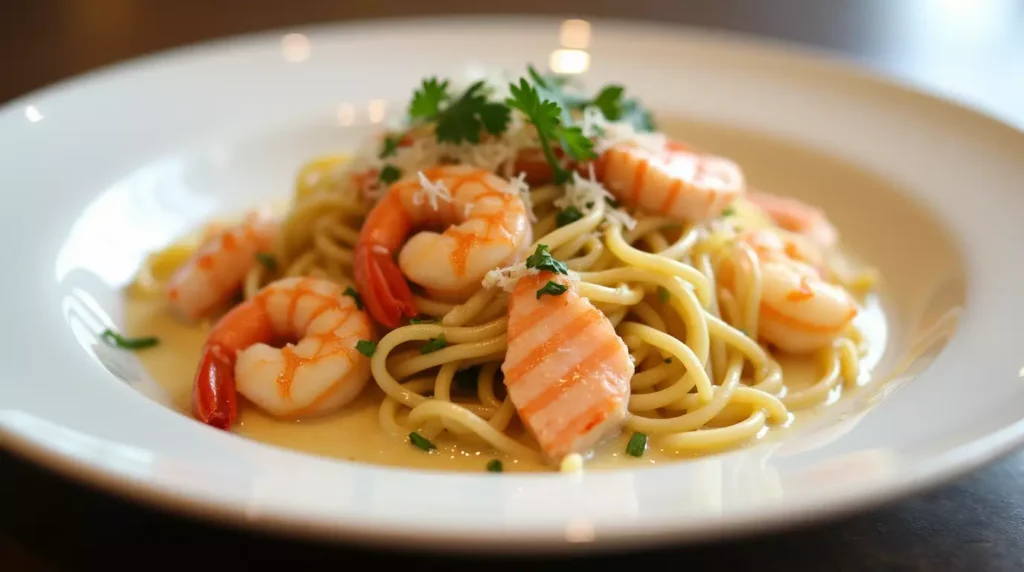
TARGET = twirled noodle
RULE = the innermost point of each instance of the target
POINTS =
(701, 383)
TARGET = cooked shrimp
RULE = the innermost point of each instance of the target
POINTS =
(677, 182)
(218, 267)
(485, 226)
(566, 370)
(799, 312)
(321, 372)
(797, 217)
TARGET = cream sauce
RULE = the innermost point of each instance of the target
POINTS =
(354, 433)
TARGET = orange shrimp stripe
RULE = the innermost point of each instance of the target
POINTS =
(589, 363)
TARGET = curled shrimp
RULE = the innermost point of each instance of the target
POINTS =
(321, 372)
(799, 312)
(208, 279)
(797, 217)
(484, 225)
(676, 181)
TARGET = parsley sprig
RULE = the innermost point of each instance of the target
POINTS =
(551, 124)
(460, 119)
(545, 102)
(541, 259)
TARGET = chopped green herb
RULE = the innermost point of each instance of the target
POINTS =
(637, 445)
(114, 339)
(729, 211)
(541, 259)
(426, 101)
(612, 202)
(634, 113)
(568, 215)
(366, 347)
(553, 288)
(350, 291)
(426, 320)
(421, 442)
(609, 101)
(267, 260)
(464, 118)
(663, 295)
(551, 122)
(390, 146)
(668, 360)
(389, 174)
(495, 466)
(433, 344)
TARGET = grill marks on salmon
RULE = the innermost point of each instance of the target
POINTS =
(566, 369)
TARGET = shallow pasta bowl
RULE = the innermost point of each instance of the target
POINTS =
(101, 170)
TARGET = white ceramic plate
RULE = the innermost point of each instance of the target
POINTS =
(99, 170)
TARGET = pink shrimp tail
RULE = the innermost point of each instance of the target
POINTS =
(382, 285)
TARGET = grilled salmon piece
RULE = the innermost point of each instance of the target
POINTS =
(566, 370)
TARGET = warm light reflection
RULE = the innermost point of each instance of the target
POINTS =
(579, 530)
(376, 110)
(346, 114)
(295, 47)
(33, 114)
(569, 61)
(575, 34)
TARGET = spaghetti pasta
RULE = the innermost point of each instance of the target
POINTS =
(687, 297)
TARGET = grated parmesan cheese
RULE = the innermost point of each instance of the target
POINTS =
(506, 278)
(610, 133)
(584, 193)
(431, 191)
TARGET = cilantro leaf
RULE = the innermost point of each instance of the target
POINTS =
(426, 101)
(568, 215)
(609, 101)
(350, 291)
(366, 347)
(390, 147)
(433, 344)
(577, 145)
(552, 288)
(389, 174)
(465, 117)
(547, 117)
(541, 259)
(426, 320)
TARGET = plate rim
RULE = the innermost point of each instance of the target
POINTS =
(938, 469)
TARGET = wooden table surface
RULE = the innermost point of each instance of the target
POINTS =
(972, 50)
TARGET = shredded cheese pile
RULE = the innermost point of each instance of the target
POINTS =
(607, 134)
(585, 193)
(506, 278)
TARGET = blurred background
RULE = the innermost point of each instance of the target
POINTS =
(973, 49)
(970, 50)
